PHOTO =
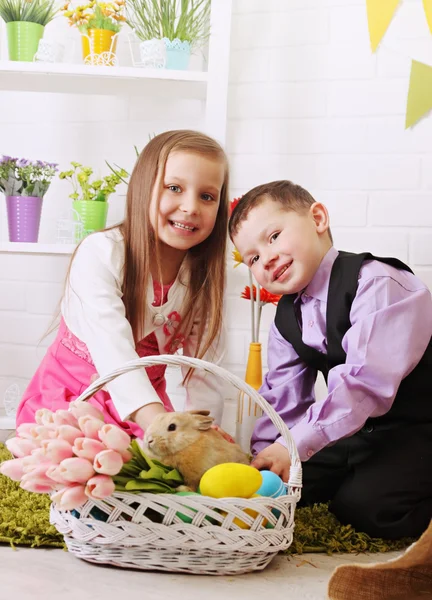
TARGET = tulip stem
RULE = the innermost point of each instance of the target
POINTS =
(260, 306)
(252, 306)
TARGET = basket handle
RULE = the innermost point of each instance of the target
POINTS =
(295, 479)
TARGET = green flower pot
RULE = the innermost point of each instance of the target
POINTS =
(92, 214)
(23, 39)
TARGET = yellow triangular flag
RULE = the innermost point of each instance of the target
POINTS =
(419, 93)
(427, 5)
(380, 14)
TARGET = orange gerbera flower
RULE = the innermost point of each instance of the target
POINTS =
(265, 296)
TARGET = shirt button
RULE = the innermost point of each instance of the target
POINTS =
(311, 323)
(158, 319)
(310, 453)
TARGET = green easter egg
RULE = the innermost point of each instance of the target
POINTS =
(181, 516)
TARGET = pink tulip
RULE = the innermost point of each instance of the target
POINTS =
(64, 417)
(126, 455)
(53, 472)
(12, 468)
(70, 497)
(85, 409)
(57, 450)
(36, 458)
(43, 416)
(87, 448)
(99, 487)
(25, 431)
(76, 470)
(44, 432)
(108, 462)
(20, 447)
(36, 486)
(69, 433)
(38, 471)
(90, 426)
(115, 438)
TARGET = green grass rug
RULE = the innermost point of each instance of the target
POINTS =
(24, 520)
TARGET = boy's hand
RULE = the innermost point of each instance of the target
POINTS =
(274, 458)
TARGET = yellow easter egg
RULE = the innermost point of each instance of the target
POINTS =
(252, 513)
(230, 480)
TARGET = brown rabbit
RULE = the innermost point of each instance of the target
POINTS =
(187, 442)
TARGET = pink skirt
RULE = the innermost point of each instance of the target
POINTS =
(66, 372)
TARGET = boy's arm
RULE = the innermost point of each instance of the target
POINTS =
(391, 328)
(288, 386)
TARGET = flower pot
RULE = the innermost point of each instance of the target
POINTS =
(23, 39)
(92, 214)
(247, 411)
(23, 214)
(152, 54)
(99, 47)
(177, 54)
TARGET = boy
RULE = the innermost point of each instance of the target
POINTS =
(366, 324)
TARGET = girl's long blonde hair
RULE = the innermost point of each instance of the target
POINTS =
(206, 261)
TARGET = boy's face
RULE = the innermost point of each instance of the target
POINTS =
(283, 248)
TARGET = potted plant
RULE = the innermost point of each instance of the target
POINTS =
(25, 22)
(90, 198)
(99, 24)
(24, 183)
(181, 25)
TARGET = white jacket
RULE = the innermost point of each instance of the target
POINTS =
(93, 310)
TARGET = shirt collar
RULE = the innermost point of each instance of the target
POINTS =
(318, 287)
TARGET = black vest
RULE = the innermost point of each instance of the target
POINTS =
(413, 402)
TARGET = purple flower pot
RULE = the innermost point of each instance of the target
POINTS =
(23, 214)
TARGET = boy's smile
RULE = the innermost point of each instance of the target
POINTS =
(283, 248)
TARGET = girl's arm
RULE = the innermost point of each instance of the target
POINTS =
(204, 390)
(94, 311)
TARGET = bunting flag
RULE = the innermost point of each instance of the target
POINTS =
(427, 5)
(380, 13)
(419, 93)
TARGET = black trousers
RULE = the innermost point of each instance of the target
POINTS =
(378, 480)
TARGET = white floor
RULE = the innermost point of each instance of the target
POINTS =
(56, 575)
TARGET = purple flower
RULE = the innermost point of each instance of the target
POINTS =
(23, 162)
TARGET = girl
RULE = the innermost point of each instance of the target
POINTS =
(149, 286)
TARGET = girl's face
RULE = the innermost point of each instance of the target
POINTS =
(189, 201)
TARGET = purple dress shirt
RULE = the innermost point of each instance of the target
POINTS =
(391, 325)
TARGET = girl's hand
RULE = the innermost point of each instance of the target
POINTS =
(145, 415)
(224, 434)
(274, 458)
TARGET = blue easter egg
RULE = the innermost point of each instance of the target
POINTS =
(272, 485)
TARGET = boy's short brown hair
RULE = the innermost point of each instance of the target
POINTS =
(290, 195)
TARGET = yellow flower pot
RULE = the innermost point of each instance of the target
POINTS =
(247, 411)
(99, 47)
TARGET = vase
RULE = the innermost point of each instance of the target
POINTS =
(177, 54)
(92, 214)
(23, 39)
(99, 47)
(247, 411)
(23, 215)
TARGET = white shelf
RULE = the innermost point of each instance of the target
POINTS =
(20, 247)
(86, 79)
(7, 422)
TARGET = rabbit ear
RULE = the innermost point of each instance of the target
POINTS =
(204, 413)
(203, 422)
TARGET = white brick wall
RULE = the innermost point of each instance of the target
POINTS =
(307, 101)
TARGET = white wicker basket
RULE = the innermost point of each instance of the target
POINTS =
(212, 543)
